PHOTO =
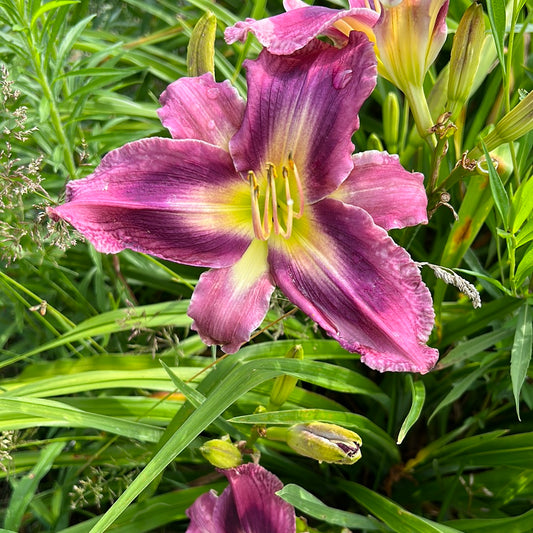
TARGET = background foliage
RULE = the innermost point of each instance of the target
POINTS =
(104, 387)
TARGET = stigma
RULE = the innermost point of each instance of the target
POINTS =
(273, 205)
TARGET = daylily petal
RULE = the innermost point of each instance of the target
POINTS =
(381, 186)
(294, 4)
(440, 30)
(229, 303)
(225, 516)
(260, 510)
(306, 105)
(285, 33)
(179, 200)
(348, 275)
(365, 3)
(200, 108)
(201, 514)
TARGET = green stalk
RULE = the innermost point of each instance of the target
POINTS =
(277, 433)
(438, 155)
(420, 111)
(511, 247)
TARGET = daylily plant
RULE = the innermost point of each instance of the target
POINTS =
(267, 193)
(407, 34)
(248, 505)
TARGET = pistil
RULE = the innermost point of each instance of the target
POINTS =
(256, 212)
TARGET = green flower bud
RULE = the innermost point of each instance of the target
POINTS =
(201, 49)
(221, 453)
(512, 126)
(374, 143)
(284, 385)
(465, 57)
(325, 442)
(391, 122)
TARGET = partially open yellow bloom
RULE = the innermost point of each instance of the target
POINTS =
(408, 38)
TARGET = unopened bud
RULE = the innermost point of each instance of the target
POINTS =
(201, 49)
(512, 126)
(374, 143)
(465, 57)
(391, 122)
(325, 442)
(221, 453)
(284, 385)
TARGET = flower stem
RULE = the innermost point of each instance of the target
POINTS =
(420, 111)
(277, 433)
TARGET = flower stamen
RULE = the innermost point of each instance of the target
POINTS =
(278, 212)
(294, 170)
(271, 185)
(256, 212)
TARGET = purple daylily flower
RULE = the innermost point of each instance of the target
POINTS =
(248, 505)
(267, 193)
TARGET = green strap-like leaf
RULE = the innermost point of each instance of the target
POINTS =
(312, 506)
(418, 396)
(398, 518)
(521, 352)
(499, 193)
(25, 488)
(496, 12)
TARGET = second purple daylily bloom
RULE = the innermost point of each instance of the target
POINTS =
(248, 505)
(267, 193)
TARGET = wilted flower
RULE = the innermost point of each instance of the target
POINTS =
(267, 193)
(325, 442)
(248, 505)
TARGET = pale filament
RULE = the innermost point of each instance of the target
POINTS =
(271, 218)
(374, 5)
(343, 26)
(256, 212)
(294, 170)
